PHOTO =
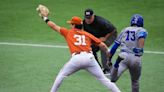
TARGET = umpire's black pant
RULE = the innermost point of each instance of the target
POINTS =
(95, 49)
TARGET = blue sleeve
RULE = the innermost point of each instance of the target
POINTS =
(142, 35)
(114, 48)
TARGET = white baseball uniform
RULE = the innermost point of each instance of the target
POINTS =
(128, 39)
(79, 43)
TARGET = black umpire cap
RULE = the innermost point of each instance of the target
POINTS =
(88, 13)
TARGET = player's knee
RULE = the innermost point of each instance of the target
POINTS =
(101, 78)
(122, 56)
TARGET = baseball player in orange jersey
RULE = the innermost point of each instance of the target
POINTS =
(79, 43)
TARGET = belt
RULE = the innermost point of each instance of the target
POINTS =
(130, 52)
(76, 53)
(126, 51)
(138, 55)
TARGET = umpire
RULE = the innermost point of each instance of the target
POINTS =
(102, 29)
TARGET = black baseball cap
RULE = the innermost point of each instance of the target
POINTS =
(88, 13)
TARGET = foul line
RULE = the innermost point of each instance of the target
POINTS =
(33, 45)
(59, 46)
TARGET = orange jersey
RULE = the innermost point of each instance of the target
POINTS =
(79, 40)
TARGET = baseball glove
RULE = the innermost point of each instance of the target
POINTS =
(43, 10)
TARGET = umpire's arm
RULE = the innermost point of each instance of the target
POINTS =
(103, 47)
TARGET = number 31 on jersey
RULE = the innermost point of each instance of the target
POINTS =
(80, 40)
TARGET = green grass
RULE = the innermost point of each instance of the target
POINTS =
(21, 23)
(31, 69)
(27, 69)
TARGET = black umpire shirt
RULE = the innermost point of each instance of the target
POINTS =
(100, 27)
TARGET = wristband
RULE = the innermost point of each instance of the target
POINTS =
(45, 19)
(138, 51)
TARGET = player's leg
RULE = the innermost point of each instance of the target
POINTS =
(116, 72)
(135, 72)
(67, 70)
(119, 67)
(108, 42)
(96, 71)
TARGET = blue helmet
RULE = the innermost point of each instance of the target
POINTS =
(137, 20)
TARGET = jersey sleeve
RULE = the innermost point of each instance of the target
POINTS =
(105, 25)
(63, 31)
(108, 26)
(142, 34)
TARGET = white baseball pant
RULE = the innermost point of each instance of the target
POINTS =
(131, 62)
(86, 61)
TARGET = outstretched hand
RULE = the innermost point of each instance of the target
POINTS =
(42, 10)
